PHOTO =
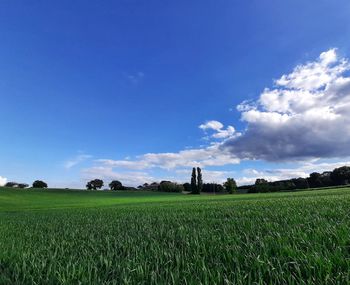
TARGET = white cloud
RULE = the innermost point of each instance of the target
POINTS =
(307, 115)
(3, 181)
(201, 157)
(219, 131)
(133, 178)
(214, 125)
(76, 160)
(314, 75)
(135, 78)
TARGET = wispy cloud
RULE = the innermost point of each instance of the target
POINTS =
(76, 160)
(133, 178)
(135, 78)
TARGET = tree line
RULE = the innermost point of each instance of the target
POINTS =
(339, 176)
(35, 184)
(195, 187)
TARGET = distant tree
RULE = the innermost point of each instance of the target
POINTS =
(23, 185)
(341, 175)
(11, 184)
(261, 186)
(39, 184)
(168, 186)
(149, 187)
(94, 184)
(199, 180)
(116, 185)
(89, 186)
(153, 186)
(326, 179)
(300, 183)
(230, 185)
(187, 187)
(128, 188)
(212, 188)
(276, 186)
(314, 180)
(261, 181)
(194, 189)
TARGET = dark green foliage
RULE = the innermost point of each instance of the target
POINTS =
(94, 184)
(16, 185)
(337, 177)
(39, 184)
(212, 188)
(259, 181)
(150, 187)
(300, 183)
(230, 185)
(194, 188)
(116, 185)
(168, 186)
(11, 184)
(187, 187)
(341, 175)
(199, 180)
(314, 180)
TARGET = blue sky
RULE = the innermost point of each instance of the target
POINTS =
(88, 89)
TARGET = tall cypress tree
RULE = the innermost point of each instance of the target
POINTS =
(194, 181)
(199, 180)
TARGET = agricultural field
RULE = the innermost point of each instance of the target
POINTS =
(81, 237)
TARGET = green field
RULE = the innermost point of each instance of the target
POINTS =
(80, 237)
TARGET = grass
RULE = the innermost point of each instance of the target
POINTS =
(63, 237)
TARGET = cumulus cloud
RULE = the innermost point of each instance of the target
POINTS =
(306, 115)
(219, 132)
(3, 181)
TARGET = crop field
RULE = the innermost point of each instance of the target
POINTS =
(62, 237)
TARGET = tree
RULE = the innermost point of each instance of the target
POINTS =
(94, 184)
(259, 181)
(315, 180)
(11, 184)
(230, 185)
(23, 185)
(187, 187)
(341, 175)
(300, 183)
(199, 180)
(212, 188)
(116, 185)
(194, 182)
(168, 186)
(261, 185)
(39, 184)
